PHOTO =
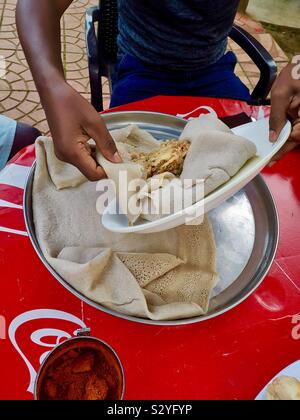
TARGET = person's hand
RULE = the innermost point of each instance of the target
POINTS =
(73, 121)
(285, 103)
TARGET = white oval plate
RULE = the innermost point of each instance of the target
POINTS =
(258, 133)
(292, 370)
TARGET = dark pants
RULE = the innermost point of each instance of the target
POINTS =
(133, 81)
(25, 135)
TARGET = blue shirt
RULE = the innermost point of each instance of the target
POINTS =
(177, 34)
(7, 135)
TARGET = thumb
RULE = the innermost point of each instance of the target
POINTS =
(104, 141)
(279, 108)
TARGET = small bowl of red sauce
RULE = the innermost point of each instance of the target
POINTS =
(81, 368)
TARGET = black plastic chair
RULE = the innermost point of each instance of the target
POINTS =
(102, 52)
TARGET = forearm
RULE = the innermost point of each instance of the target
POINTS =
(72, 120)
(38, 24)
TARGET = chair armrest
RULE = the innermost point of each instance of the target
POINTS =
(262, 59)
(92, 16)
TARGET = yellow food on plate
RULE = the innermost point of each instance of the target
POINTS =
(168, 158)
(284, 388)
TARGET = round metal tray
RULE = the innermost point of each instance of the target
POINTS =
(245, 227)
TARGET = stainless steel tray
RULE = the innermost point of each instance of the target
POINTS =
(245, 227)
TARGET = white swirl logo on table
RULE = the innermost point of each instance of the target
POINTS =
(40, 336)
(201, 108)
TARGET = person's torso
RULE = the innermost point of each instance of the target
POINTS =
(186, 34)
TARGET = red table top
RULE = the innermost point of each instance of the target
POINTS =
(230, 357)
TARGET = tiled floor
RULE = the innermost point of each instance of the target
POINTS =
(18, 96)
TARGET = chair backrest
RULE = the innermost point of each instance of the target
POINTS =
(108, 30)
